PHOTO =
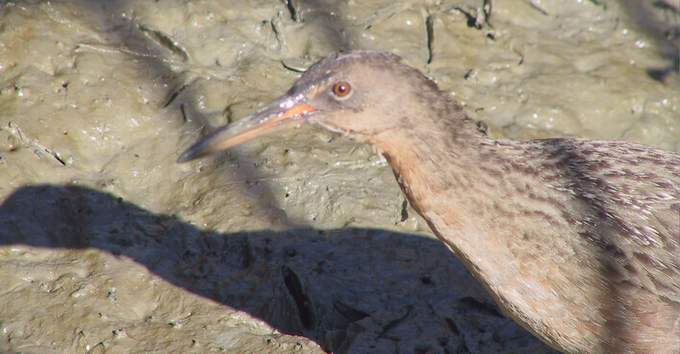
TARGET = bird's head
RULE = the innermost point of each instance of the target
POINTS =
(361, 94)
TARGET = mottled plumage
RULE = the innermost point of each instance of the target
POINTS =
(577, 240)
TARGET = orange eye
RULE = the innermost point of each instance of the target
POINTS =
(342, 89)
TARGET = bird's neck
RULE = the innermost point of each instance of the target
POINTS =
(488, 202)
(452, 174)
(439, 157)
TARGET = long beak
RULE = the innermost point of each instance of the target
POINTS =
(283, 112)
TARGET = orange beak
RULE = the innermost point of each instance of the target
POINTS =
(283, 112)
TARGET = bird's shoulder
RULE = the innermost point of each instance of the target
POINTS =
(636, 189)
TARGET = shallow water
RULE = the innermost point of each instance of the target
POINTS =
(108, 245)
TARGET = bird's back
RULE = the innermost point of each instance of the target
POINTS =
(630, 203)
(621, 203)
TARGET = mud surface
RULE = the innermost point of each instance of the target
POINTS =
(299, 242)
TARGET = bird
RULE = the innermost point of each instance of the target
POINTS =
(576, 240)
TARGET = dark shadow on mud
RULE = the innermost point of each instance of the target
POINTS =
(350, 290)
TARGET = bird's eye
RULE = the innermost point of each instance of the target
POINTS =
(342, 89)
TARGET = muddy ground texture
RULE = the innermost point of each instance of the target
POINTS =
(299, 242)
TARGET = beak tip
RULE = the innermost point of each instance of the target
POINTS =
(242, 131)
(186, 156)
